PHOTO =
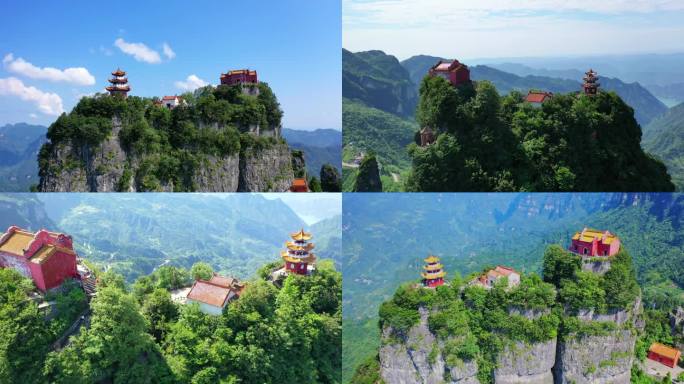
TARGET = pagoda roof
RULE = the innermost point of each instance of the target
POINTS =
(308, 258)
(588, 235)
(431, 259)
(241, 72)
(291, 245)
(118, 81)
(224, 281)
(447, 66)
(112, 88)
(118, 72)
(665, 351)
(301, 235)
(171, 97)
(433, 267)
(436, 275)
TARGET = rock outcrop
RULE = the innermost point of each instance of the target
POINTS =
(108, 167)
(677, 326)
(526, 363)
(267, 170)
(599, 267)
(414, 358)
(596, 359)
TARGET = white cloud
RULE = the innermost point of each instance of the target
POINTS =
(106, 51)
(168, 52)
(33, 115)
(78, 76)
(48, 103)
(191, 83)
(139, 51)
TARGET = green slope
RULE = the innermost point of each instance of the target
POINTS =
(664, 137)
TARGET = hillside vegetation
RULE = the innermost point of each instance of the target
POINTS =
(271, 334)
(664, 137)
(493, 143)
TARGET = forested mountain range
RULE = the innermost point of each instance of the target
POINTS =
(19, 146)
(664, 137)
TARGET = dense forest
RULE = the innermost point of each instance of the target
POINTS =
(486, 142)
(171, 143)
(283, 332)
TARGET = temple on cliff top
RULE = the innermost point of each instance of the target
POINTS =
(433, 272)
(592, 243)
(47, 258)
(298, 257)
(119, 83)
(591, 84)
(246, 78)
(453, 71)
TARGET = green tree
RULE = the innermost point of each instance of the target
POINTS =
(368, 177)
(330, 179)
(201, 271)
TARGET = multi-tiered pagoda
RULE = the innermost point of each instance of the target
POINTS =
(298, 256)
(591, 84)
(433, 272)
(119, 83)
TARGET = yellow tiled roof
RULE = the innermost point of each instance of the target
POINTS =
(295, 247)
(310, 258)
(433, 267)
(46, 251)
(588, 235)
(17, 243)
(431, 259)
(301, 235)
(664, 350)
(433, 275)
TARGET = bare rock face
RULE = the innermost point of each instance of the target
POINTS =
(599, 267)
(414, 358)
(217, 174)
(526, 363)
(102, 168)
(596, 359)
(677, 326)
(267, 170)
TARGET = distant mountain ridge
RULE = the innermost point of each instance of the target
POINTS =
(320, 146)
(19, 146)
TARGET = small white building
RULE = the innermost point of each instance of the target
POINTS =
(171, 102)
(213, 295)
(489, 278)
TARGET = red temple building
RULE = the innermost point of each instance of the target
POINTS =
(591, 83)
(298, 257)
(664, 355)
(119, 83)
(433, 272)
(591, 243)
(299, 185)
(239, 76)
(214, 294)
(453, 71)
(537, 98)
(48, 258)
(489, 278)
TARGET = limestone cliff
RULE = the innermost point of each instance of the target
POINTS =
(415, 358)
(110, 167)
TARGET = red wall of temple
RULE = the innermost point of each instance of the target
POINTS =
(238, 78)
(299, 268)
(57, 268)
(595, 248)
(661, 359)
(433, 282)
(460, 76)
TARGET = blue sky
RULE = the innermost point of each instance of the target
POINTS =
(54, 52)
(513, 28)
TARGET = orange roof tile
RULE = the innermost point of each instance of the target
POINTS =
(209, 293)
(665, 351)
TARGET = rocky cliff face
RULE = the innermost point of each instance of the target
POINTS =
(102, 168)
(411, 359)
(266, 170)
(677, 327)
(526, 363)
(596, 359)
